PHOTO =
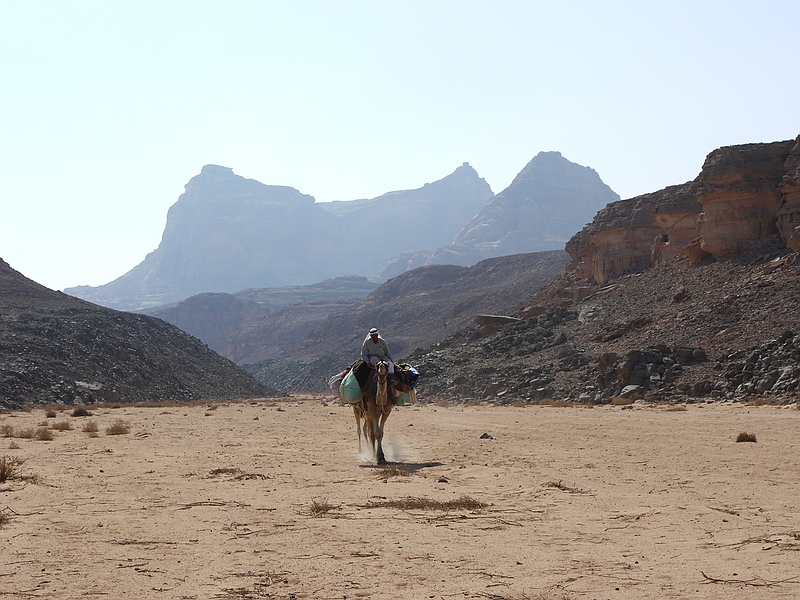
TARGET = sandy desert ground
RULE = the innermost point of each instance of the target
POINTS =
(270, 499)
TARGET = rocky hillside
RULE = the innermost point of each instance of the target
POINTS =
(227, 233)
(55, 348)
(414, 310)
(261, 323)
(547, 203)
(690, 292)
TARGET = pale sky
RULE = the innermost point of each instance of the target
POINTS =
(110, 107)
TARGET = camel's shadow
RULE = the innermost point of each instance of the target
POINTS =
(403, 466)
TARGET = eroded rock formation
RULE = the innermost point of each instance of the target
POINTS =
(744, 195)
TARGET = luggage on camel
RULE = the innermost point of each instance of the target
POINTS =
(335, 383)
(350, 389)
(406, 378)
(354, 380)
(350, 385)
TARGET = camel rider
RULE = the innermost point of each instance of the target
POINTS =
(374, 349)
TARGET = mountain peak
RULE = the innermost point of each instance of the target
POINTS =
(216, 169)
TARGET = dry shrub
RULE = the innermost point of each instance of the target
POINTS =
(393, 472)
(91, 428)
(564, 488)
(43, 434)
(320, 508)
(236, 473)
(61, 426)
(764, 401)
(556, 403)
(81, 412)
(6, 431)
(414, 503)
(5, 515)
(118, 427)
(746, 437)
(10, 468)
(442, 403)
(620, 401)
(50, 414)
(13, 446)
(25, 434)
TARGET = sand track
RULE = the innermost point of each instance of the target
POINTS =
(270, 500)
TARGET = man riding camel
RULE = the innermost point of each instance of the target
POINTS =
(374, 349)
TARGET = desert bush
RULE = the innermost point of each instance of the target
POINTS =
(556, 403)
(61, 426)
(320, 508)
(10, 468)
(13, 446)
(620, 401)
(564, 488)
(81, 412)
(43, 434)
(5, 515)
(414, 503)
(25, 434)
(746, 437)
(6, 431)
(393, 472)
(91, 428)
(50, 414)
(118, 427)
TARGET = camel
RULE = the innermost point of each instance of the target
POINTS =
(374, 409)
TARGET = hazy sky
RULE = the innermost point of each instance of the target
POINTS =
(110, 107)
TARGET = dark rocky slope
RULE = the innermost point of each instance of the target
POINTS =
(262, 323)
(720, 329)
(55, 348)
(413, 310)
(690, 292)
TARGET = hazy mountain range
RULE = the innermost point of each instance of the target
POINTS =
(227, 233)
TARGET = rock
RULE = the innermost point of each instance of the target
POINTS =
(227, 233)
(632, 392)
(59, 349)
(739, 189)
(743, 196)
(621, 237)
(548, 201)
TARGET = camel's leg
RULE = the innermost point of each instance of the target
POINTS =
(357, 412)
(379, 437)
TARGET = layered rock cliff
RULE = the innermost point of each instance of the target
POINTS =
(744, 196)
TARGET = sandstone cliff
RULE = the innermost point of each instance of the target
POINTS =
(744, 196)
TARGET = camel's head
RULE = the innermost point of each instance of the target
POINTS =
(382, 368)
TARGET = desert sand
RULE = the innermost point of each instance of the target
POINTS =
(271, 499)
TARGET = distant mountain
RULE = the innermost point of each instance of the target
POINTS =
(227, 233)
(414, 310)
(687, 294)
(55, 348)
(549, 201)
(236, 325)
